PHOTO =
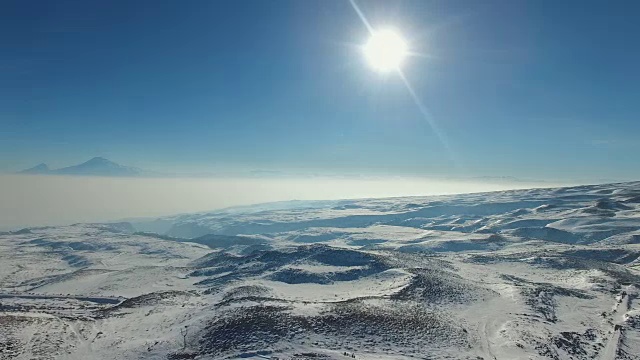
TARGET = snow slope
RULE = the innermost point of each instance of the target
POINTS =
(528, 274)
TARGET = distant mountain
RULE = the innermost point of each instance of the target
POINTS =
(98, 166)
(38, 169)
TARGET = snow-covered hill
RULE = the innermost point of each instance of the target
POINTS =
(532, 274)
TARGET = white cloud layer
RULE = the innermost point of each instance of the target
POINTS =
(28, 200)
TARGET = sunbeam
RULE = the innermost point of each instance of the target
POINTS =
(426, 114)
(361, 15)
(388, 54)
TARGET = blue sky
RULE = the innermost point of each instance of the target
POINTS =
(531, 89)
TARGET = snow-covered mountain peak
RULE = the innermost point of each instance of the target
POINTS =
(41, 168)
(97, 166)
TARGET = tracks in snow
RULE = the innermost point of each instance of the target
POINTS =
(620, 308)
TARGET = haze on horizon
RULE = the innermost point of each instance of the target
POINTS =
(535, 90)
(36, 200)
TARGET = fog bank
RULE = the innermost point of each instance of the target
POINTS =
(30, 200)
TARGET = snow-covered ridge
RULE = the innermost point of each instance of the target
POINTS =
(532, 274)
(584, 214)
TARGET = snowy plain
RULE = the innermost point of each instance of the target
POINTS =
(522, 274)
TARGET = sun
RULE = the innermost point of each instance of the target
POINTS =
(386, 50)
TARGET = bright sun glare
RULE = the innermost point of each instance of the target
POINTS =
(386, 50)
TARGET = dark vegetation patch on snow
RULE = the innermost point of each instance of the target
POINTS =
(492, 242)
(617, 256)
(150, 299)
(571, 345)
(546, 234)
(540, 297)
(355, 324)
(246, 291)
(300, 276)
(441, 287)
(220, 268)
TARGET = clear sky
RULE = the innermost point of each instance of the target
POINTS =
(532, 89)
